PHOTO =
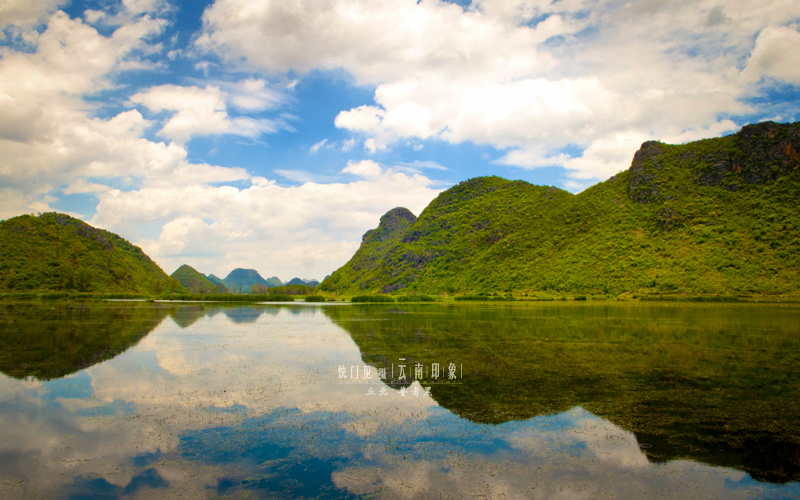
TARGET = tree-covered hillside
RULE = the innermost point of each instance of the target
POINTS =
(54, 251)
(195, 282)
(717, 216)
(274, 281)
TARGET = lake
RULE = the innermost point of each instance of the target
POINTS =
(507, 401)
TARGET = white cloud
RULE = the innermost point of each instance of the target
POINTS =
(418, 165)
(304, 176)
(528, 76)
(203, 111)
(776, 54)
(182, 232)
(360, 119)
(119, 14)
(143, 6)
(82, 186)
(374, 40)
(252, 94)
(186, 174)
(365, 168)
(316, 147)
(24, 13)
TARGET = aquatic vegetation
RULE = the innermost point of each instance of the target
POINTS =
(372, 298)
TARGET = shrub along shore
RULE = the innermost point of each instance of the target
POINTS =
(386, 298)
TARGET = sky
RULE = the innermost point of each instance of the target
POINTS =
(272, 134)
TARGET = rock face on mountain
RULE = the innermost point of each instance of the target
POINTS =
(54, 251)
(716, 216)
(393, 223)
(758, 154)
(375, 244)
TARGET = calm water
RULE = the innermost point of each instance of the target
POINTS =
(546, 401)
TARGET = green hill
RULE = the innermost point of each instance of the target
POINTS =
(716, 216)
(57, 252)
(195, 282)
(240, 280)
(274, 281)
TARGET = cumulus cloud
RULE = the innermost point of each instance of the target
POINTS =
(529, 77)
(203, 111)
(373, 40)
(252, 94)
(775, 55)
(81, 186)
(367, 169)
(47, 132)
(23, 14)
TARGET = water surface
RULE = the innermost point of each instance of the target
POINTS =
(544, 401)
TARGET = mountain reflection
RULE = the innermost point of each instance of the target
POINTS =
(52, 340)
(718, 385)
(187, 315)
(47, 341)
(246, 314)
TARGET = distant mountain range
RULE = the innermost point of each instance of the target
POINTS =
(237, 281)
(716, 216)
(300, 281)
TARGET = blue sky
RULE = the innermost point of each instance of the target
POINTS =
(272, 135)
